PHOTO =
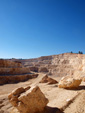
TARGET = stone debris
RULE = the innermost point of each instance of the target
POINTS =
(48, 80)
(69, 82)
(28, 101)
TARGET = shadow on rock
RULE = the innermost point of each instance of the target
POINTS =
(46, 110)
(51, 110)
(78, 88)
(81, 88)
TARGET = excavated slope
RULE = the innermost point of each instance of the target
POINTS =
(14, 72)
(59, 65)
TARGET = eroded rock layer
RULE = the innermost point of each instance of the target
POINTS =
(13, 72)
(59, 65)
(16, 78)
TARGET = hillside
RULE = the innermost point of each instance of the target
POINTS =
(59, 65)
(15, 73)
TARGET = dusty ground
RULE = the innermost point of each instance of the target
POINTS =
(69, 101)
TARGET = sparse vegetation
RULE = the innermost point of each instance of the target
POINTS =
(80, 52)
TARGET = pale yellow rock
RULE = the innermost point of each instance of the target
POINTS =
(30, 101)
(13, 97)
(48, 80)
(16, 92)
(69, 82)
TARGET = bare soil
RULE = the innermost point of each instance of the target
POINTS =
(68, 101)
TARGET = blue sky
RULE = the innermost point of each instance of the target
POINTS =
(33, 28)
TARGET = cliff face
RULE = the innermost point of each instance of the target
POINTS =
(16, 78)
(68, 64)
(13, 72)
(9, 64)
(59, 65)
(12, 68)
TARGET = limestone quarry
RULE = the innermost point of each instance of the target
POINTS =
(48, 84)
(59, 65)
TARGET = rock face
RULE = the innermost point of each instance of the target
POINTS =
(14, 72)
(48, 80)
(16, 78)
(28, 101)
(8, 67)
(8, 63)
(59, 65)
(69, 82)
(68, 64)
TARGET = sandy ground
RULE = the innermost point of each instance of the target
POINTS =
(69, 101)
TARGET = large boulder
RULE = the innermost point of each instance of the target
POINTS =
(69, 82)
(28, 101)
(48, 80)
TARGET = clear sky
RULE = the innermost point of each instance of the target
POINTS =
(33, 28)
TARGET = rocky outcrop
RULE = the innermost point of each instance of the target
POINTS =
(16, 78)
(28, 101)
(68, 64)
(9, 64)
(14, 71)
(69, 82)
(48, 80)
(8, 67)
(59, 65)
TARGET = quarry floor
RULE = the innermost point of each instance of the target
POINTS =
(69, 101)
